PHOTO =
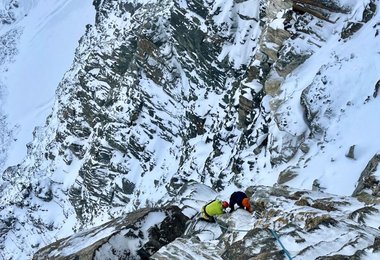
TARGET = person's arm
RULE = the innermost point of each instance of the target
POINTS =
(232, 205)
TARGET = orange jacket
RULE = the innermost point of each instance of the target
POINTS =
(241, 199)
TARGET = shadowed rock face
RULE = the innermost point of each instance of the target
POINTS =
(368, 186)
(137, 235)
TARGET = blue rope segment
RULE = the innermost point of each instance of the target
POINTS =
(274, 234)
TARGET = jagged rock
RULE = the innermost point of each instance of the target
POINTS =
(138, 235)
(245, 108)
(6, 224)
(274, 6)
(273, 87)
(43, 190)
(352, 27)
(302, 202)
(273, 41)
(286, 176)
(257, 243)
(317, 12)
(290, 145)
(304, 148)
(253, 73)
(339, 257)
(11, 12)
(351, 152)
(320, 9)
(311, 99)
(377, 87)
(332, 6)
(324, 205)
(289, 58)
(361, 214)
(316, 185)
(183, 248)
(10, 172)
(376, 244)
(77, 149)
(313, 223)
(150, 83)
(367, 180)
(197, 125)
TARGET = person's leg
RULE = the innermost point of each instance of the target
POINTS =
(210, 220)
(204, 216)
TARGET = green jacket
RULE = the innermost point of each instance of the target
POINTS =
(214, 208)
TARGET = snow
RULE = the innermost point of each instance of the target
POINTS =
(84, 239)
(278, 23)
(50, 34)
(51, 31)
(82, 242)
(347, 65)
(240, 49)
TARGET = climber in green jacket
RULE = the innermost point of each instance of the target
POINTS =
(213, 208)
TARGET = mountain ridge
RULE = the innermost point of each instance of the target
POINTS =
(228, 94)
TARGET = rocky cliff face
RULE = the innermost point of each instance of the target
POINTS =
(164, 92)
(305, 224)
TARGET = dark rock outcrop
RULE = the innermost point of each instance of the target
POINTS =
(353, 26)
(137, 235)
(368, 183)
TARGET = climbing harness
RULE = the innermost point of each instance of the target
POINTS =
(204, 209)
(274, 234)
(192, 222)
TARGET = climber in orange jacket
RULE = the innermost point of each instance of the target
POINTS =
(241, 199)
(213, 208)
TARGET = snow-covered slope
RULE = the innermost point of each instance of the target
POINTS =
(339, 84)
(40, 38)
(224, 93)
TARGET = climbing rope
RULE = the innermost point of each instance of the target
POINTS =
(274, 234)
(191, 224)
(194, 221)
